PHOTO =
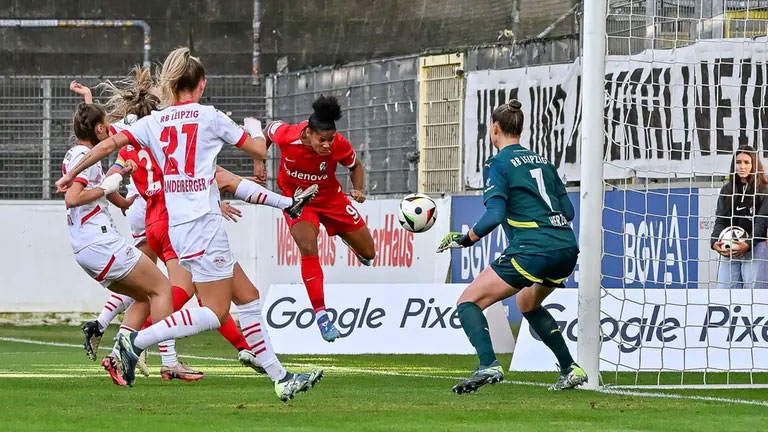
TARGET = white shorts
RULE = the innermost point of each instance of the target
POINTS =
(108, 261)
(203, 248)
(136, 215)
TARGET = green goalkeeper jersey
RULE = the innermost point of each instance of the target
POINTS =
(538, 211)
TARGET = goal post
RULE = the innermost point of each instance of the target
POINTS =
(671, 91)
(591, 190)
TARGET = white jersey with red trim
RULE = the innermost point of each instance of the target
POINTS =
(185, 140)
(89, 223)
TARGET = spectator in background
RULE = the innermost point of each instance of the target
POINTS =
(740, 198)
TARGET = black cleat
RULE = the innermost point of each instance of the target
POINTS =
(300, 198)
(483, 375)
(92, 337)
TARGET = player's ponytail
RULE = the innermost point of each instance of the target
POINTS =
(85, 120)
(509, 117)
(181, 71)
(326, 111)
(131, 96)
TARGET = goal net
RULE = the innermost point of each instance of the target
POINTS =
(686, 85)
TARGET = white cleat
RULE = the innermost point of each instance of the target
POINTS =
(247, 358)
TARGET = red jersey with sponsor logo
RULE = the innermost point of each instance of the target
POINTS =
(300, 166)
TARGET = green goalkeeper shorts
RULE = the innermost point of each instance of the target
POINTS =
(550, 268)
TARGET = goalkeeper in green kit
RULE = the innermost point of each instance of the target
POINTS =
(523, 192)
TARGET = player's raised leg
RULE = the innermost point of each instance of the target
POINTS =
(254, 193)
(361, 243)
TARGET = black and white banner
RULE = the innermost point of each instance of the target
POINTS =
(668, 113)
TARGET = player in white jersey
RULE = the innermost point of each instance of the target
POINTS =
(99, 249)
(185, 138)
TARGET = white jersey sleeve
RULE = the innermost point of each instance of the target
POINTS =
(228, 130)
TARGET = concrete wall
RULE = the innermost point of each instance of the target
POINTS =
(339, 31)
(220, 31)
(307, 32)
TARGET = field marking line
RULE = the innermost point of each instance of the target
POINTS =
(405, 374)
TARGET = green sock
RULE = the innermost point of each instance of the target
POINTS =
(544, 325)
(476, 327)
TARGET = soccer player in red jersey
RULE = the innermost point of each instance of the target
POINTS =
(309, 152)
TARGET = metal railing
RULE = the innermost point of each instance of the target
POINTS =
(36, 127)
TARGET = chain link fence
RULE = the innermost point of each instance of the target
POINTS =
(36, 127)
(379, 101)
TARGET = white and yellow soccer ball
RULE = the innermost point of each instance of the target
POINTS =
(417, 213)
(731, 235)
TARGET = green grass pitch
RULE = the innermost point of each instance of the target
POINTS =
(49, 387)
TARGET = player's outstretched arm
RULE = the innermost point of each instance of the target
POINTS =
(99, 152)
(357, 176)
(493, 216)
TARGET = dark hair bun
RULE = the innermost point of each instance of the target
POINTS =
(515, 104)
(326, 109)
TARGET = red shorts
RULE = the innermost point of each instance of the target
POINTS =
(337, 215)
(159, 240)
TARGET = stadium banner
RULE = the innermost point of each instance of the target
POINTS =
(401, 256)
(378, 318)
(668, 113)
(651, 239)
(656, 329)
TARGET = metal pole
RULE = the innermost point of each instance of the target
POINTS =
(590, 223)
(256, 39)
(46, 151)
(41, 23)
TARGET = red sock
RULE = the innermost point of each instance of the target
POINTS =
(312, 274)
(179, 299)
(230, 332)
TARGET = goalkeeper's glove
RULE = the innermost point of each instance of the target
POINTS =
(454, 240)
(253, 127)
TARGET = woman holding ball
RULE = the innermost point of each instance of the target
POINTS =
(740, 199)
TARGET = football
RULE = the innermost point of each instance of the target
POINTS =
(417, 213)
(732, 234)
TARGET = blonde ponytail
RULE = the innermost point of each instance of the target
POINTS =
(180, 71)
(131, 96)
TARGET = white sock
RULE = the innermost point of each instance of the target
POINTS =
(255, 193)
(183, 323)
(319, 314)
(168, 352)
(116, 304)
(255, 333)
(124, 329)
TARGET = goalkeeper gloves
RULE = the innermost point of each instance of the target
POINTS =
(454, 240)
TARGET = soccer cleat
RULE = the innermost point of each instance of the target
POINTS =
(92, 338)
(128, 356)
(327, 329)
(142, 364)
(293, 384)
(112, 365)
(573, 377)
(180, 371)
(483, 375)
(300, 198)
(247, 358)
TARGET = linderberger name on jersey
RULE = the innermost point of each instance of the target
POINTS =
(305, 176)
(181, 186)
